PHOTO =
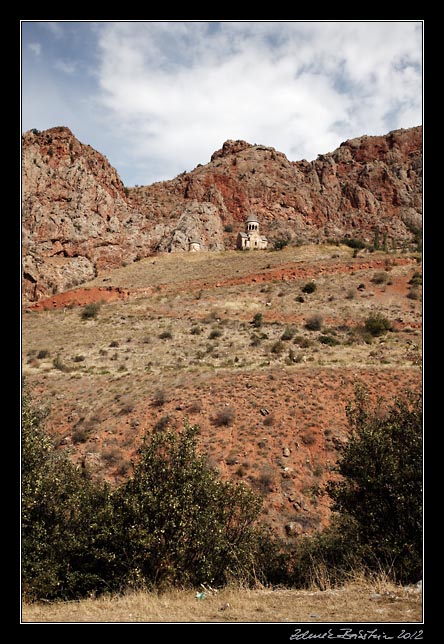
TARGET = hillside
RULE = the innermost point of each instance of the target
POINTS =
(180, 336)
(80, 221)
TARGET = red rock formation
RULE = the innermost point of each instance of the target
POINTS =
(76, 215)
(368, 184)
(79, 219)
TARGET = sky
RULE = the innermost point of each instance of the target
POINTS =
(158, 98)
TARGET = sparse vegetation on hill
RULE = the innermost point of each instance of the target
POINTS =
(86, 370)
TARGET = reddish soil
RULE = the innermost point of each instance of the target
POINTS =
(80, 297)
(302, 410)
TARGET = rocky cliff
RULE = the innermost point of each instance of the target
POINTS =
(79, 219)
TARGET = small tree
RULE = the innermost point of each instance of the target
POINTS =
(380, 490)
(289, 333)
(64, 520)
(179, 522)
(281, 243)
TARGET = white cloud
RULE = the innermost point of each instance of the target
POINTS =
(180, 89)
(160, 97)
(66, 66)
(35, 47)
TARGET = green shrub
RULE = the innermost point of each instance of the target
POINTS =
(279, 244)
(380, 278)
(376, 525)
(278, 347)
(376, 324)
(215, 333)
(42, 354)
(257, 320)
(329, 340)
(379, 492)
(314, 323)
(180, 524)
(60, 365)
(80, 435)
(196, 330)
(310, 287)
(302, 342)
(172, 522)
(90, 311)
(414, 293)
(353, 243)
(416, 279)
(359, 334)
(63, 521)
(166, 335)
(289, 333)
(160, 397)
(325, 559)
(224, 416)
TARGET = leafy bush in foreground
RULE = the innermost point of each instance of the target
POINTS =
(381, 485)
(63, 516)
(377, 525)
(172, 522)
(178, 522)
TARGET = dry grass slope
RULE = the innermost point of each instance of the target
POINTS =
(181, 345)
(357, 602)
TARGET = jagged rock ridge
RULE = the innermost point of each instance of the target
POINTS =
(79, 219)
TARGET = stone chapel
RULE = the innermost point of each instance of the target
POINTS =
(251, 239)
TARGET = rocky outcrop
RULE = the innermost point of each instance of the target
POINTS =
(76, 218)
(198, 221)
(79, 219)
(369, 185)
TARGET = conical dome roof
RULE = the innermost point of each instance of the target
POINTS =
(252, 217)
